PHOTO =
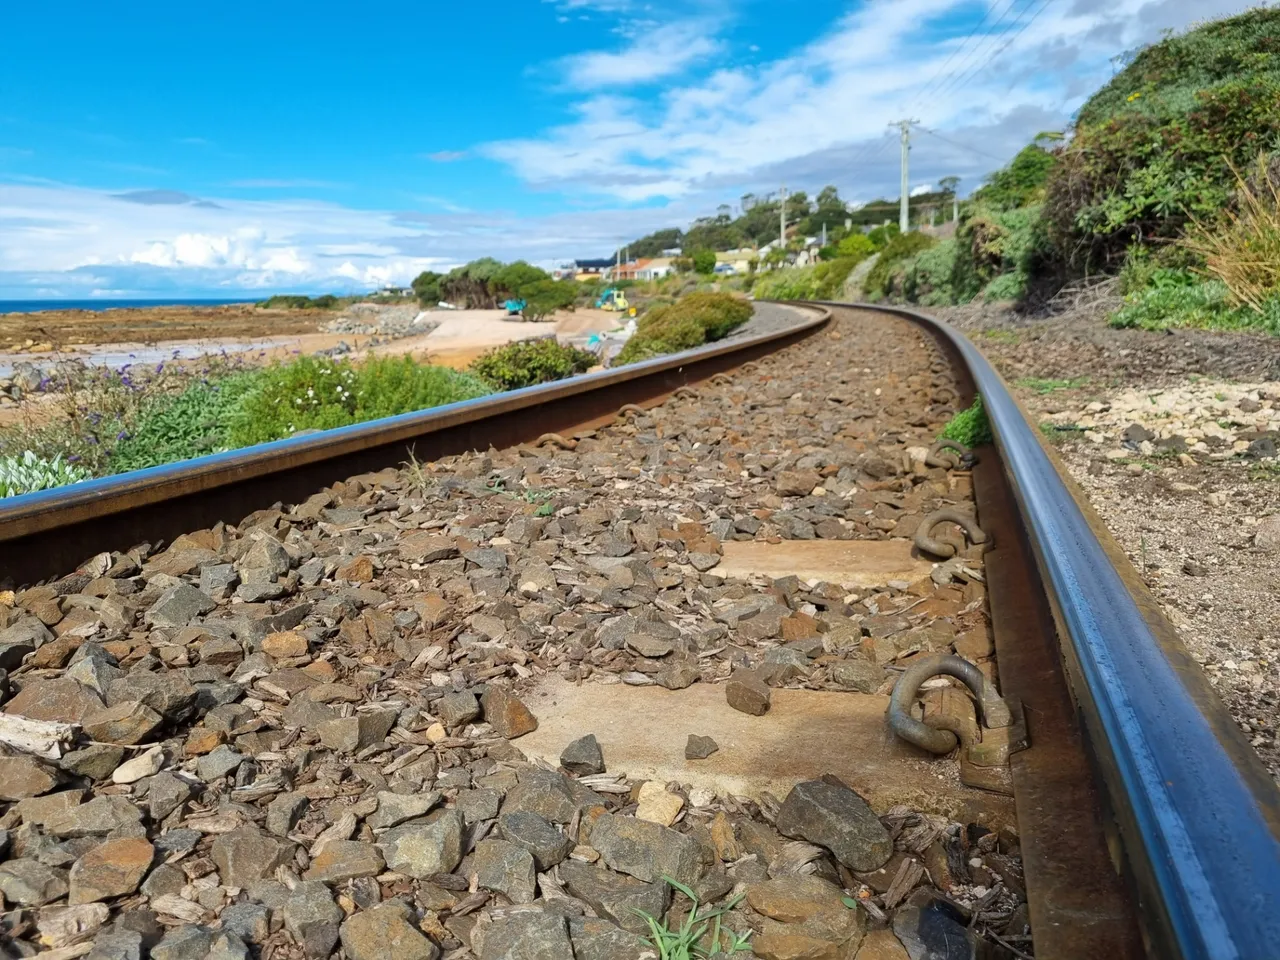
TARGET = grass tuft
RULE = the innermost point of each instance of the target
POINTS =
(687, 943)
(970, 427)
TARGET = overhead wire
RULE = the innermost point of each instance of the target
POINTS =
(1005, 46)
(957, 52)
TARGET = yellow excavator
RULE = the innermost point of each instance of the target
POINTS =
(613, 299)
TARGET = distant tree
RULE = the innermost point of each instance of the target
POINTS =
(682, 264)
(704, 261)
(426, 287)
(654, 243)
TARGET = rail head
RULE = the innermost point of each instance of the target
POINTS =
(1198, 812)
(48, 511)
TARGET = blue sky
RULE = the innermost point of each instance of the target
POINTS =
(163, 149)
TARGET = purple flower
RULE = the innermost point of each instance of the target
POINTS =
(122, 434)
(159, 367)
(73, 458)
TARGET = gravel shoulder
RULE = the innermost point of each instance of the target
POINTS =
(1173, 437)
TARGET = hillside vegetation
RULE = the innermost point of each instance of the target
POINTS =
(1169, 181)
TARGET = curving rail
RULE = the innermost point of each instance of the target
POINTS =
(1198, 812)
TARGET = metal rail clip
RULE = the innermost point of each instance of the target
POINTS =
(950, 719)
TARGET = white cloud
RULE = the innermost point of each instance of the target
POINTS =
(61, 240)
(876, 64)
(651, 55)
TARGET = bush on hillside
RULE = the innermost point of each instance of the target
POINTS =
(1021, 182)
(856, 245)
(884, 280)
(317, 393)
(926, 277)
(1153, 149)
(530, 362)
(1004, 245)
(718, 313)
(822, 281)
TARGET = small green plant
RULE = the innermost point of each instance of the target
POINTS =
(546, 510)
(417, 475)
(970, 427)
(530, 362)
(686, 943)
(1042, 385)
(1002, 336)
(28, 473)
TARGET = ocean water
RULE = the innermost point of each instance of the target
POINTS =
(33, 306)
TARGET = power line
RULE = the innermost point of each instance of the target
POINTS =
(1008, 43)
(965, 71)
(962, 146)
(956, 52)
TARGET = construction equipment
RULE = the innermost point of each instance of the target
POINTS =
(613, 299)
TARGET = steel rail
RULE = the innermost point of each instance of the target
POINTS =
(1197, 811)
(48, 533)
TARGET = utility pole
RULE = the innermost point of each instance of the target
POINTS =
(782, 217)
(904, 212)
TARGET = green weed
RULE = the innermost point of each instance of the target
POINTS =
(970, 427)
(686, 943)
(1042, 385)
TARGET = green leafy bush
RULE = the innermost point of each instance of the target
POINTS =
(970, 426)
(822, 281)
(530, 362)
(998, 252)
(856, 245)
(28, 473)
(884, 280)
(704, 261)
(1021, 182)
(191, 424)
(312, 393)
(927, 276)
(1155, 147)
(689, 322)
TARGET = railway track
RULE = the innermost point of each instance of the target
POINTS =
(361, 665)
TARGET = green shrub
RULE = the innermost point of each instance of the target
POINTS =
(312, 393)
(998, 252)
(662, 330)
(1021, 182)
(191, 424)
(691, 321)
(292, 302)
(1155, 147)
(927, 275)
(885, 280)
(530, 362)
(718, 313)
(856, 245)
(28, 473)
(970, 427)
(822, 281)
(704, 261)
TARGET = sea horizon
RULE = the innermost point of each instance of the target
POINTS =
(105, 303)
